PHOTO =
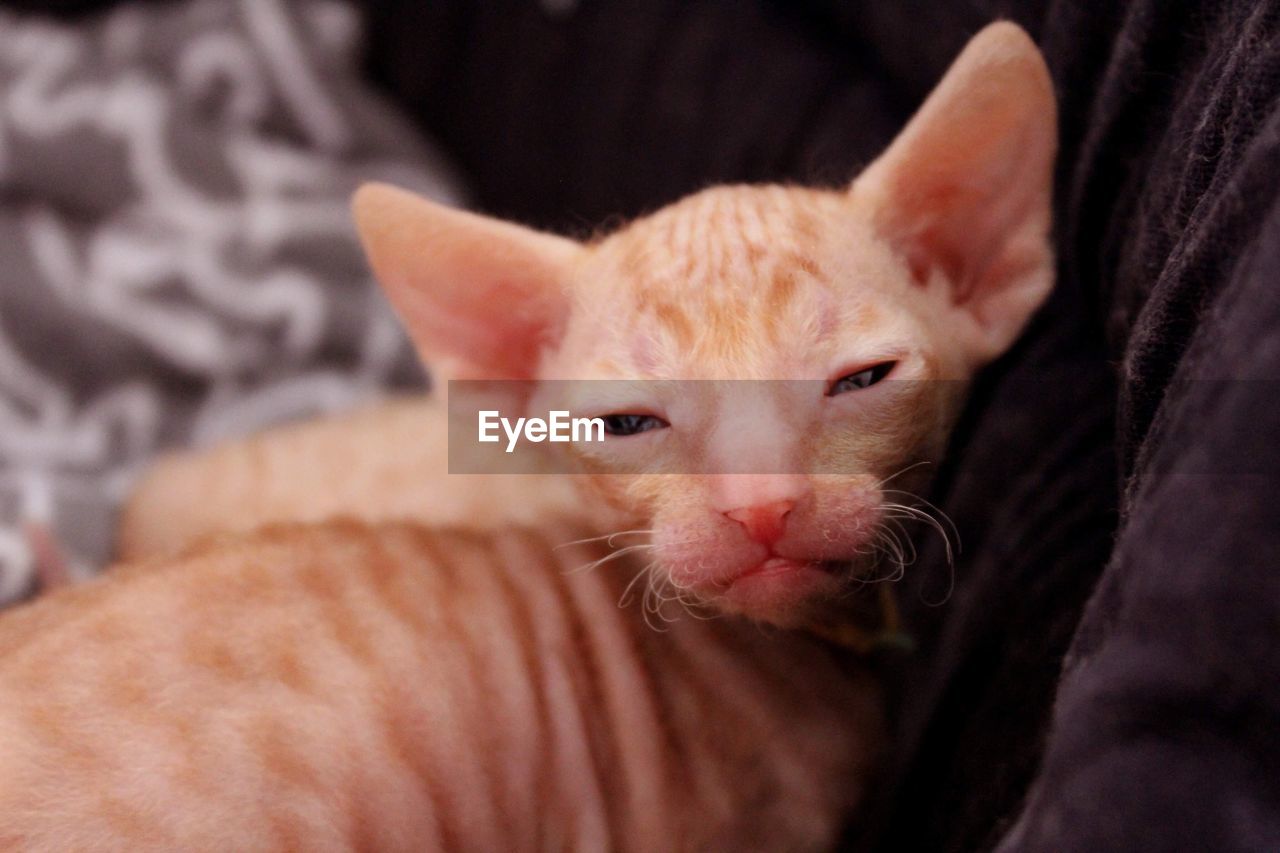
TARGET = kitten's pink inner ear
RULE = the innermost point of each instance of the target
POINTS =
(966, 188)
(480, 295)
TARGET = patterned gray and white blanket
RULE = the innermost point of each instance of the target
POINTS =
(177, 264)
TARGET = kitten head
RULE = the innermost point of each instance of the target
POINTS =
(876, 303)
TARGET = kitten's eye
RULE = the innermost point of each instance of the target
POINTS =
(632, 424)
(862, 379)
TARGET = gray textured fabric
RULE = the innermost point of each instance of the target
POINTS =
(177, 263)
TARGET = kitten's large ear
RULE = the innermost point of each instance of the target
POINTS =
(966, 188)
(479, 297)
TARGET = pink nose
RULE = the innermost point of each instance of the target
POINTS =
(764, 523)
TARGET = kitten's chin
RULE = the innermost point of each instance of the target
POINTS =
(779, 590)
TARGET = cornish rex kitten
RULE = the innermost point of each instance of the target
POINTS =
(880, 299)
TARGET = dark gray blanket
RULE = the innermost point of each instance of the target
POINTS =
(1166, 730)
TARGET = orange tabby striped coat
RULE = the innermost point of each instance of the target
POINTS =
(392, 689)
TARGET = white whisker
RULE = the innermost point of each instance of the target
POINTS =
(923, 511)
(626, 598)
(955, 531)
(607, 538)
(901, 472)
(610, 557)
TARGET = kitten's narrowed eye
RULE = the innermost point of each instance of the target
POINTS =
(632, 424)
(864, 378)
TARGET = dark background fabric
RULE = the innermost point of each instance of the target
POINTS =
(1105, 673)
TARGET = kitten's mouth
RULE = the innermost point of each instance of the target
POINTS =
(780, 586)
(774, 566)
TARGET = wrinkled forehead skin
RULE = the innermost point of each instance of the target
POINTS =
(738, 283)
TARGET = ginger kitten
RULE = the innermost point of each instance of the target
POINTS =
(345, 687)
(876, 302)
